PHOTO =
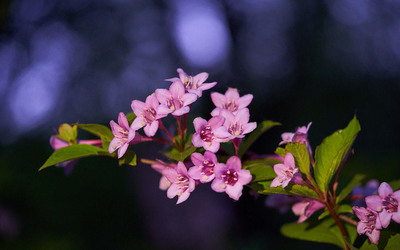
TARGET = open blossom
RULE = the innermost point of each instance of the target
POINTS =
(123, 135)
(146, 115)
(299, 136)
(306, 208)
(386, 204)
(204, 135)
(193, 84)
(369, 223)
(203, 168)
(174, 100)
(235, 126)
(231, 101)
(181, 183)
(230, 178)
(286, 171)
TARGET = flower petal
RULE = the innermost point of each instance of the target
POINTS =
(188, 99)
(374, 202)
(138, 123)
(197, 159)
(197, 141)
(385, 218)
(234, 163)
(244, 101)
(212, 146)
(218, 99)
(249, 127)
(122, 150)
(151, 129)
(244, 177)
(234, 191)
(384, 190)
(243, 116)
(216, 121)
(138, 107)
(199, 123)
(232, 94)
(122, 121)
(176, 89)
(210, 156)
(163, 95)
(218, 185)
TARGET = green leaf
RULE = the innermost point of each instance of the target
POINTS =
(280, 151)
(387, 240)
(301, 155)
(99, 130)
(67, 133)
(174, 154)
(261, 128)
(325, 231)
(262, 173)
(130, 117)
(260, 162)
(73, 152)
(332, 151)
(356, 181)
(129, 158)
(264, 187)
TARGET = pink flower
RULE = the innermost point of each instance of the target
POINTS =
(306, 208)
(299, 136)
(235, 126)
(123, 135)
(203, 168)
(204, 136)
(230, 178)
(386, 204)
(286, 171)
(181, 183)
(369, 223)
(174, 100)
(146, 115)
(231, 101)
(193, 84)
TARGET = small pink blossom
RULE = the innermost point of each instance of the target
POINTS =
(286, 171)
(235, 126)
(230, 178)
(174, 100)
(193, 84)
(123, 135)
(306, 208)
(146, 115)
(369, 223)
(386, 204)
(299, 136)
(203, 169)
(231, 101)
(181, 183)
(204, 135)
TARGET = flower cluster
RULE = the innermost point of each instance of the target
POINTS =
(380, 210)
(229, 122)
(293, 176)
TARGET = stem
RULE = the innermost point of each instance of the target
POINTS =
(338, 223)
(180, 132)
(147, 161)
(162, 127)
(348, 220)
(335, 184)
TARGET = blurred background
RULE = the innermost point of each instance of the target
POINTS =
(86, 60)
